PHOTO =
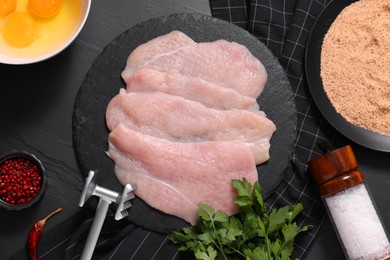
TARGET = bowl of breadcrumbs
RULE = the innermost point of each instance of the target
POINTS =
(355, 64)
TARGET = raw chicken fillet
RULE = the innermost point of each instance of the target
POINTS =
(182, 120)
(224, 63)
(188, 122)
(175, 177)
(194, 88)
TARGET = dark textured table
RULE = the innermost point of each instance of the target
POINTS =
(36, 115)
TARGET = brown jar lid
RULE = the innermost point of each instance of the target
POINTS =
(332, 164)
(341, 183)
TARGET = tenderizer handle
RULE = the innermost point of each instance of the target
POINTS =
(95, 229)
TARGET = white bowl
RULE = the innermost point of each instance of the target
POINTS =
(19, 60)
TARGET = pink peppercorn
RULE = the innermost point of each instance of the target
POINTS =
(20, 180)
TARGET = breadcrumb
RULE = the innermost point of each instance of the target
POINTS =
(355, 64)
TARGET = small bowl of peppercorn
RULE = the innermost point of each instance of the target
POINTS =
(22, 180)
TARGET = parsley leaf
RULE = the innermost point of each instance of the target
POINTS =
(209, 254)
(251, 234)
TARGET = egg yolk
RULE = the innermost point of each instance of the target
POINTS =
(45, 8)
(20, 29)
(7, 7)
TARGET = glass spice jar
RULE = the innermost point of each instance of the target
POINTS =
(350, 205)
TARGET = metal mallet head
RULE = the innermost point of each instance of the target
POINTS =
(106, 197)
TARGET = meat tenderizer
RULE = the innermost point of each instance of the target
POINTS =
(106, 197)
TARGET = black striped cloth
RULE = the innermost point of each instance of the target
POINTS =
(283, 26)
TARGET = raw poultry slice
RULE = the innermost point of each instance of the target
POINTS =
(224, 63)
(175, 177)
(183, 120)
(194, 88)
(154, 48)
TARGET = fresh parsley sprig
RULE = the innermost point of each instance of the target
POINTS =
(251, 234)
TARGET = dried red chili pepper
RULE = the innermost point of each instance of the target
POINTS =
(35, 234)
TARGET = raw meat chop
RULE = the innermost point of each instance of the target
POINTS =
(194, 88)
(154, 48)
(175, 177)
(179, 119)
(188, 123)
(224, 63)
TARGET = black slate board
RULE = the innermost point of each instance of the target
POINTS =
(103, 82)
(355, 133)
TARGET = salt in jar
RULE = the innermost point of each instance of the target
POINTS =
(350, 205)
